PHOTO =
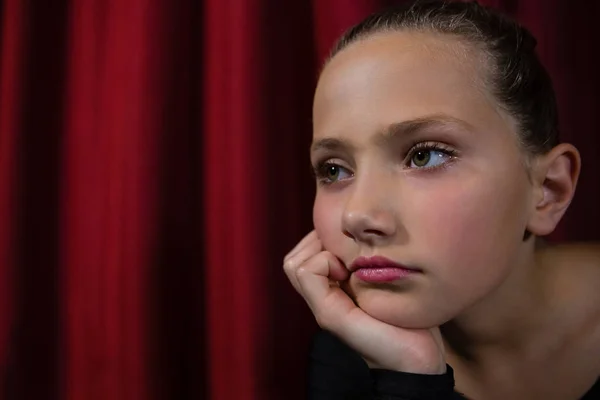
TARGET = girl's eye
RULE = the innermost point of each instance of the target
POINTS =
(429, 156)
(330, 173)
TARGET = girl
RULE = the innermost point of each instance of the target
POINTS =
(438, 169)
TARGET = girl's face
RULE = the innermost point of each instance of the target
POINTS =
(415, 162)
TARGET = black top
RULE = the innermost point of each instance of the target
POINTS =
(337, 372)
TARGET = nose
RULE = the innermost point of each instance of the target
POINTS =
(369, 215)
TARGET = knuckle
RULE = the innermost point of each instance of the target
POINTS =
(289, 265)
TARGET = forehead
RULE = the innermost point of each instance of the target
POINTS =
(395, 76)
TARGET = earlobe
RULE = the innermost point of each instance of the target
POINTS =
(556, 174)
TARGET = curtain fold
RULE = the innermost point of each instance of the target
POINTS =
(109, 195)
(13, 14)
(154, 171)
(234, 166)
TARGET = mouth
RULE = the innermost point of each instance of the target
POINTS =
(379, 269)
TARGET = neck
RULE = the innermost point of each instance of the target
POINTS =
(505, 321)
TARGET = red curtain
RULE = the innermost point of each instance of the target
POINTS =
(154, 172)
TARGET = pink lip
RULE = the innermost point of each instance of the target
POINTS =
(379, 269)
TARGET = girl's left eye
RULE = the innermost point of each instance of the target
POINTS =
(429, 157)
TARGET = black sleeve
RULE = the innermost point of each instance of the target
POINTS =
(337, 372)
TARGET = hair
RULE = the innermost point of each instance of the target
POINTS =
(515, 76)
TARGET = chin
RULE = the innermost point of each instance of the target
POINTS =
(404, 309)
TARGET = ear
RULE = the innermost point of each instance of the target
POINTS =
(555, 176)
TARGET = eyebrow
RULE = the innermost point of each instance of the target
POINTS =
(405, 130)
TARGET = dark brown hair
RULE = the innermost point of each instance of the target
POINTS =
(516, 77)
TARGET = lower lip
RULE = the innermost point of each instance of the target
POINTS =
(382, 275)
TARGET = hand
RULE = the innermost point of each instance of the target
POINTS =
(316, 273)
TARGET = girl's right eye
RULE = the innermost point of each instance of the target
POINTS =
(329, 172)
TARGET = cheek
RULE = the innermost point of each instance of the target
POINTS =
(471, 223)
(327, 220)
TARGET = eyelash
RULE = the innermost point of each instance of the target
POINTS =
(320, 169)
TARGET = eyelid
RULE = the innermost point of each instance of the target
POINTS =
(430, 144)
(331, 159)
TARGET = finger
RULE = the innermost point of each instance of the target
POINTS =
(291, 264)
(328, 302)
(311, 237)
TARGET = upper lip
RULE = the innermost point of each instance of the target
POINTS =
(376, 262)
